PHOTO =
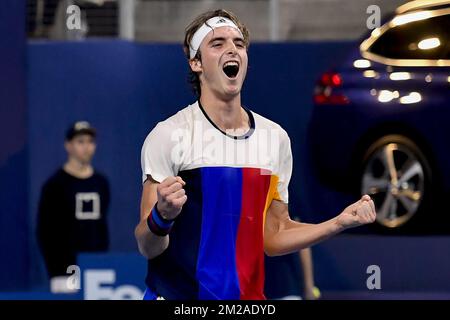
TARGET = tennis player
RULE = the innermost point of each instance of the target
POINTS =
(215, 181)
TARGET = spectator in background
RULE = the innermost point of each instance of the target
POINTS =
(73, 208)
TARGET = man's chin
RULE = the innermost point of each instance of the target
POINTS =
(86, 161)
(233, 90)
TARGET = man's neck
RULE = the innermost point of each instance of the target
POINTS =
(78, 169)
(228, 115)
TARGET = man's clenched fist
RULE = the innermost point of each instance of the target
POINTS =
(171, 197)
(358, 213)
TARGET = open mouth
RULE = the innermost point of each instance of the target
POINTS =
(231, 69)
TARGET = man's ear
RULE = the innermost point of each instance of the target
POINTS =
(67, 146)
(196, 65)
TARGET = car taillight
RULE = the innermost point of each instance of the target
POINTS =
(324, 91)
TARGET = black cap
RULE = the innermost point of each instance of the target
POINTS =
(80, 127)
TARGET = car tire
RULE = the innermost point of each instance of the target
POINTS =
(398, 177)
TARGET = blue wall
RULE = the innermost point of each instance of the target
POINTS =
(13, 151)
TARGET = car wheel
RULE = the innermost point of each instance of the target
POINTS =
(397, 175)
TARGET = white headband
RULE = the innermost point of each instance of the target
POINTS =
(209, 25)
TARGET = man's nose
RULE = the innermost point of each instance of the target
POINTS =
(231, 49)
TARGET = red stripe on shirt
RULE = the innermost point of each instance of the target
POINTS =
(250, 242)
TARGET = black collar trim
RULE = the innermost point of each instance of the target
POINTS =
(245, 135)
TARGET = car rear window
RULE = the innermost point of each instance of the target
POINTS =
(424, 39)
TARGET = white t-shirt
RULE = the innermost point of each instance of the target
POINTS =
(190, 140)
(216, 248)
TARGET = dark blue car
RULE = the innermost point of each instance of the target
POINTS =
(381, 120)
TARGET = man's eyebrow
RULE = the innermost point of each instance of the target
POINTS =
(223, 39)
(216, 39)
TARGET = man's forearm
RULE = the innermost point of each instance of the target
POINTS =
(297, 236)
(150, 245)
